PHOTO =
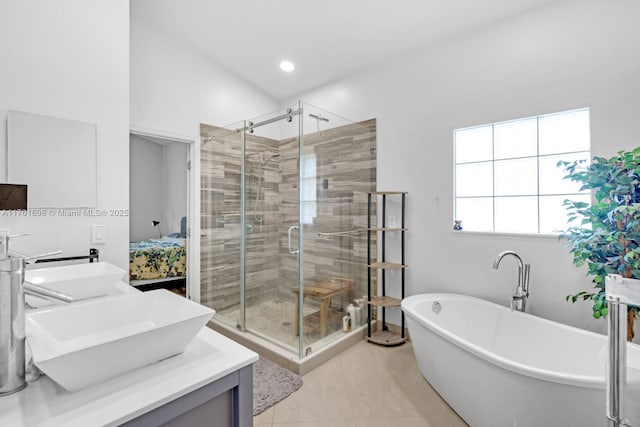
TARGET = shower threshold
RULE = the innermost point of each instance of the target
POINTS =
(327, 348)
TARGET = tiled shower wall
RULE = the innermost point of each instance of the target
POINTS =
(345, 172)
(220, 178)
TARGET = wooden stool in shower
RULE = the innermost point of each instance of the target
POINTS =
(322, 291)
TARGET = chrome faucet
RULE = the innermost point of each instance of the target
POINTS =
(12, 321)
(521, 292)
(34, 289)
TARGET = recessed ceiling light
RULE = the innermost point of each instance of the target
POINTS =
(287, 66)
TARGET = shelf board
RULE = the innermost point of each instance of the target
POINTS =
(386, 338)
(388, 265)
(378, 301)
(388, 193)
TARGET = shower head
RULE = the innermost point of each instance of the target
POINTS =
(319, 117)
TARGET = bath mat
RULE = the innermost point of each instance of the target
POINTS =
(271, 384)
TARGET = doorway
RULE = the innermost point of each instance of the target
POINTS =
(161, 190)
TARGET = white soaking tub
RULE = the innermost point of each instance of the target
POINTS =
(498, 367)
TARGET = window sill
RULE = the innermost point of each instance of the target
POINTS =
(499, 234)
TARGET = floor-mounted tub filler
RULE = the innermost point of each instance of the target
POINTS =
(498, 367)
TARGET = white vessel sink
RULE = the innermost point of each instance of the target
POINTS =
(80, 281)
(84, 344)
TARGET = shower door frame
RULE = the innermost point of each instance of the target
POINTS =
(242, 321)
(248, 126)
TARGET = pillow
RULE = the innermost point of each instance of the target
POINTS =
(183, 229)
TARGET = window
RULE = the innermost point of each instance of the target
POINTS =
(309, 191)
(506, 179)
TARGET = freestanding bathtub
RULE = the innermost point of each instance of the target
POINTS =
(496, 367)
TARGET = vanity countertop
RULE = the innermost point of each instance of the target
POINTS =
(209, 357)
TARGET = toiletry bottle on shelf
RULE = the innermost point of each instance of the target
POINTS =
(346, 323)
(351, 311)
(358, 312)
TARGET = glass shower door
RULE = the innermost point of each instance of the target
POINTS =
(271, 244)
(220, 222)
(338, 169)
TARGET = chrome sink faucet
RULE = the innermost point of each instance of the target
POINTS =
(12, 320)
(28, 287)
(521, 292)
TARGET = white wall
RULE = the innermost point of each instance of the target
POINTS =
(564, 55)
(158, 187)
(174, 178)
(174, 87)
(146, 189)
(70, 59)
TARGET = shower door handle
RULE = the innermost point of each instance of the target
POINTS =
(290, 232)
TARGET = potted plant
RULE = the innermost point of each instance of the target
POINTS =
(607, 237)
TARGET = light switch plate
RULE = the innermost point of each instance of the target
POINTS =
(98, 234)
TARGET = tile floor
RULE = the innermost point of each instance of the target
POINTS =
(366, 386)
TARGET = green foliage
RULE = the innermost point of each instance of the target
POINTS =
(606, 234)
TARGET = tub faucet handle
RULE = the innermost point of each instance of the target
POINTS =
(525, 279)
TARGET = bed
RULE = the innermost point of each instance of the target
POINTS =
(157, 259)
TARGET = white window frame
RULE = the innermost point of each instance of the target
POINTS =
(493, 161)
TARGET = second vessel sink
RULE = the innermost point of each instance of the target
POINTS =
(80, 281)
(81, 345)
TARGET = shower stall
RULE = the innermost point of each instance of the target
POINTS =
(284, 225)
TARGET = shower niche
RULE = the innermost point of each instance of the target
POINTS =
(284, 224)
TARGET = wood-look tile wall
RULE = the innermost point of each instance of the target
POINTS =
(346, 171)
(220, 180)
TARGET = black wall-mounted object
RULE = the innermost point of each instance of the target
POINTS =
(94, 255)
(13, 197)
